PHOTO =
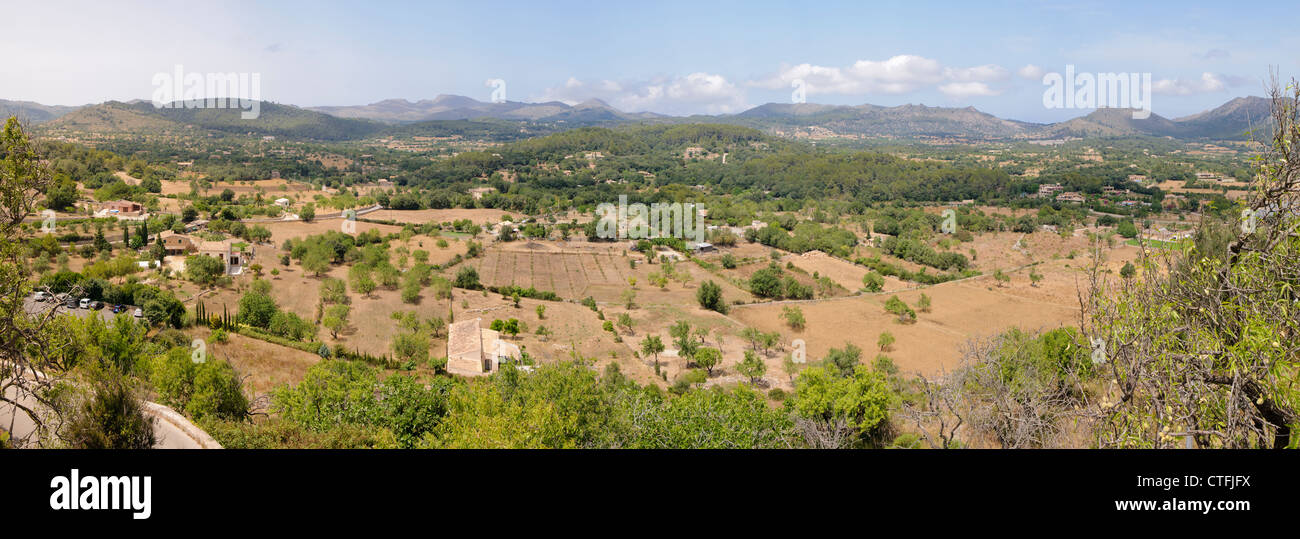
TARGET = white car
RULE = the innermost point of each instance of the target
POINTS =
(138, 313)
(41, 296)
(85, 303)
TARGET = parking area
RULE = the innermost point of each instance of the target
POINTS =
(105, 312)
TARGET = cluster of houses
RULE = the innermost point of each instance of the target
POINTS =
(1057, 192)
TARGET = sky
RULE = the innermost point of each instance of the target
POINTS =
(694, 57)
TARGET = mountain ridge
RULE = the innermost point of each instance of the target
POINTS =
(1231, 120)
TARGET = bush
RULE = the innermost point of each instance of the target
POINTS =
(709, 295)
(206, 389)
(204, 270)
(111, 417)
(873, 282)
(467, 277)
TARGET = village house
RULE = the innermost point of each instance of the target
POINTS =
(1070, 196)
(283, 202)
(1047, 190)
(478, 192)
(477, 351)
(177, 244)
(226, 250)
(122, 207)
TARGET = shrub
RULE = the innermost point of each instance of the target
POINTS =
(709, 295)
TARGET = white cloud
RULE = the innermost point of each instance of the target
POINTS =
(984, 73)
(695, 93)
(898, 75)
(967, 89)
(1209, 82)
(1031, 72)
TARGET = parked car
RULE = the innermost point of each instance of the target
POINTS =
(95, 305)
(138, 312)
(70, 302)
(40, 296)
(85, 303)
(118, 308)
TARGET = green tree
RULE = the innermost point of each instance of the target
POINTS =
(681, 334)
(707, 358)
(652, 345)
(793, 317)
(201, 389)
(897, 308)
(886, 341)
(844, 360)
(767, 283)
(336, 319)
(843, 411)
(204, 270)
(752, 367)
(317, 259)
(256, 308)
(410, 346)
(467, 277)
(333, 291)
(1128, 271)
(1127, 229)
(361, 281)
(709, 295)
(873, 282)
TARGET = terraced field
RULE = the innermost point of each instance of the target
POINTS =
(569, 273)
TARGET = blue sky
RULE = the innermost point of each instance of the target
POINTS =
(668, 57)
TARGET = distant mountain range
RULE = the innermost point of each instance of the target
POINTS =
(457, 107)
(451, 114)
(32, 113)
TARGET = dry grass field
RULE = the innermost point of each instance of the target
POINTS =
(283, 230)
(962, 310)
(270, 189)
(264, 365)
(478, 215)
(575, 270)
